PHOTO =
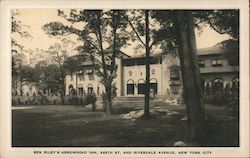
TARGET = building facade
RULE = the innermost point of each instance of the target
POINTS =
(165, 75)
(216, 72)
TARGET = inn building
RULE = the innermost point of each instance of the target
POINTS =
(130, 81)
(165, 74)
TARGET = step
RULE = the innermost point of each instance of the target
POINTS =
(129, 98)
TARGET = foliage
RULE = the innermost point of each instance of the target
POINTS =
(90, 99)
(27, 74)
(17, 26)
(73, 63)
(103, 34)
(231, 51)
(48, 77)
(222, 21)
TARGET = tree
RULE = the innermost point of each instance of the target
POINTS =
(179, 26)
(59, 55)
(26, 76)
(222, 21)
(17, 28)
(99, 26)
(53, 79)
(230, 50)
(190, 73)
(152, 38)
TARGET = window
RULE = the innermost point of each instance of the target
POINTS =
(90, 73)
(201, 63)
(71, 77)
(216, 62)
(90, 89)
(130, 87)
(80, 91)
(174, 74)
(141, 86)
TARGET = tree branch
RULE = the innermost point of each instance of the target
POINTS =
(211, 25)
(138, 36)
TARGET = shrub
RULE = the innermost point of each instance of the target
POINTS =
(90, 99)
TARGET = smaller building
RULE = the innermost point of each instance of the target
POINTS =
(216, 72)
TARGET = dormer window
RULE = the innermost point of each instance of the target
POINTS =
(216, 62)
(201, 63)
(89, 71)
(174, 74)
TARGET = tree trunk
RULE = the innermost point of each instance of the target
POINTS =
(63, 90)
(147, 88)
(194, 56)
(192, 95)
(21, 87)
(109, 108)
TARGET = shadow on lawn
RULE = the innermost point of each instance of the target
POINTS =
(71, 128)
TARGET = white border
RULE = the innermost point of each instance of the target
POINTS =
(5, 73)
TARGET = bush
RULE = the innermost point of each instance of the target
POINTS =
(218, 98)
(90, 99)
(233, 106)
(74, 101)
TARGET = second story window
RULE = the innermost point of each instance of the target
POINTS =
(216, 62)
(90, 73)
(174, 74)
(201, 63)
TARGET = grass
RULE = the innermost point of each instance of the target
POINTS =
(77, 126)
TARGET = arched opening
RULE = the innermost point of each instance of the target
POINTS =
(130, 87)
(80, 89)
(153, 85)
(235, 86)
(30, 90)
(217, 85)
(71, 90)
(141, 86)
(90, 88)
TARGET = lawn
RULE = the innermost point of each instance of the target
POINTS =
(78, 126)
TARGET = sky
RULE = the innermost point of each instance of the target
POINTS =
(36, 18)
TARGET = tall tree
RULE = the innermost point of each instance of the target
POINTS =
(59, 54)
(190, 73)
(140, 24)
(179, 26)
(98, 27)
(18, 30)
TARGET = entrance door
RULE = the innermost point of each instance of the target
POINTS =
(130, 89)
(153, 86)
(141, 88)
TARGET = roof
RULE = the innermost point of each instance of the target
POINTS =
(216, 49)
(142, 55)
(207, 70)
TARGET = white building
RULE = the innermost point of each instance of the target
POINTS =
(165, 76)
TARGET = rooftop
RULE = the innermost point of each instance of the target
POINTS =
(216, 49)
